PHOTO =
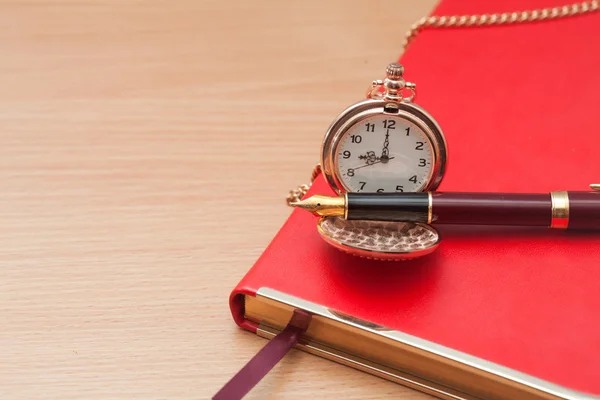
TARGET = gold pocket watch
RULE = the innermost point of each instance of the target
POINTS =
(385, 143)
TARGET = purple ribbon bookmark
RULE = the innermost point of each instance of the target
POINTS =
(260, 365)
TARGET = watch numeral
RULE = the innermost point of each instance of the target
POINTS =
(419, 146)
(389, 124)
(379, 190)
(370, 127)
(362, 185)
(422, 162)
(413, 179)
(399, 188)
(347, 154)
(350, 172)
(356, 138)
(408, 131)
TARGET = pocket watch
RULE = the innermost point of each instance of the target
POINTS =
(385, 143)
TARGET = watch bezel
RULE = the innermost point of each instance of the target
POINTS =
(368, 108)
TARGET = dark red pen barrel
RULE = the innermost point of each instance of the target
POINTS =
(521, 209)
(563, 210)
(584, 210)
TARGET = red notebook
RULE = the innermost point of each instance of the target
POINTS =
(520, 109)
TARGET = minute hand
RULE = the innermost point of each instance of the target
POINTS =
(368, 165)
(385, 152)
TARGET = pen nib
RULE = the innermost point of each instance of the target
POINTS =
(307, 204)
(322, 205)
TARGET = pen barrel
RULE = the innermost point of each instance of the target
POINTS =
(584, 210)
(518, 209)
(562, 210)
(388, 206)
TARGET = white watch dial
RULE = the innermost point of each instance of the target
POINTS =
(384, 153)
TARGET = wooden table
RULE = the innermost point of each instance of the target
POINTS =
(146, 148)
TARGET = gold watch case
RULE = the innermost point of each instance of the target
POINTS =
(379, 240)
(385, 97)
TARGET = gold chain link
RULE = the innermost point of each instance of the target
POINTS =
(518, 17)
(457, 21)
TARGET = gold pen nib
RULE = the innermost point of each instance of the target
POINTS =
(324, 206)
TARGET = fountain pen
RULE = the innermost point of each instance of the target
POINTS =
(560, 209)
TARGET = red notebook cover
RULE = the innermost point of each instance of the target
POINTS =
(520, 109)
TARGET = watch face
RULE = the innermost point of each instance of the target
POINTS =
(384, 153)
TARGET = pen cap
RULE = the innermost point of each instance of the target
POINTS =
(583, 210)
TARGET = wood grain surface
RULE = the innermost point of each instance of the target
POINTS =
(145, 151)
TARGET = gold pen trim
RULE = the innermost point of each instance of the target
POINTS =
(346, 205)
(429, 208)
(560, 210)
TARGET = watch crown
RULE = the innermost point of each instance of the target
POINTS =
(394, 71)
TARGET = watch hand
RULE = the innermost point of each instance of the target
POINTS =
(376, 162)
(385, 153)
